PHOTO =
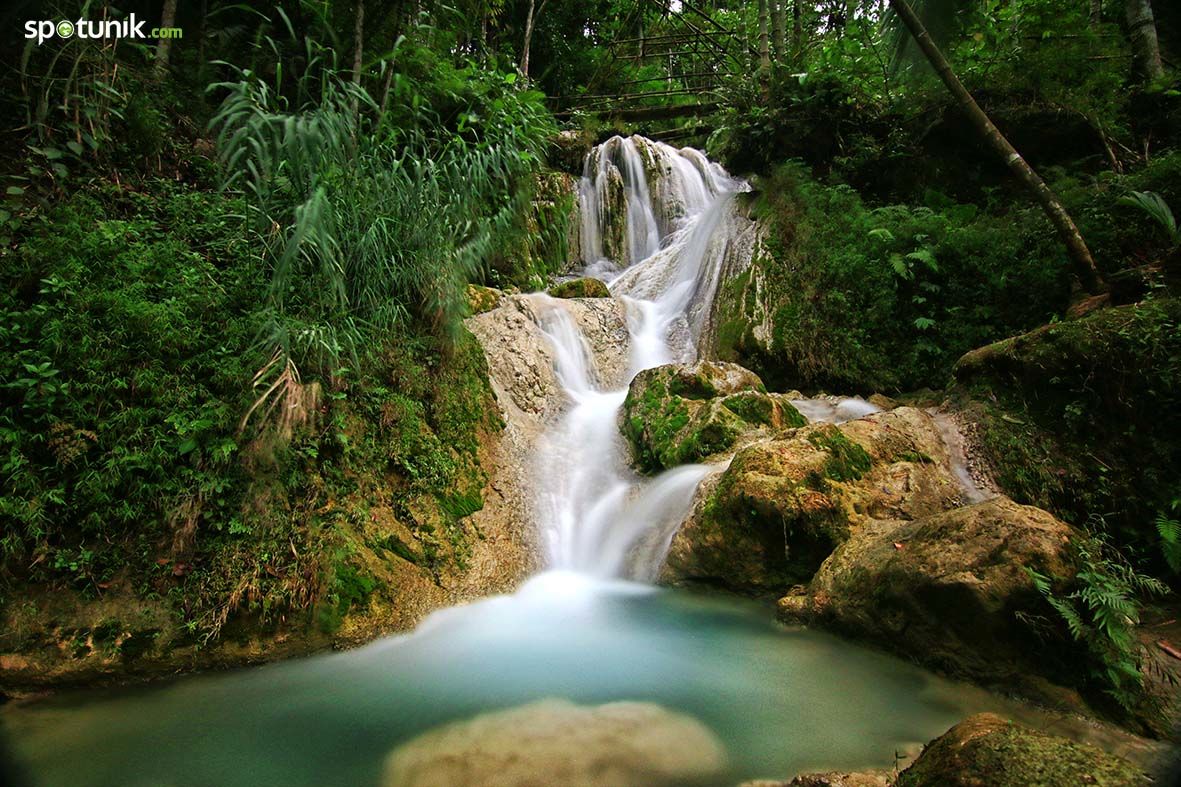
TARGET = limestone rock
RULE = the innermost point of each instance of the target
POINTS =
(584, 287)
(947, 589)
(521, 359)
(986, 750)
(677, 413)
(557, 742)
(787, 501)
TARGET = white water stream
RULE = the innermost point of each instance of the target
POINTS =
(596, 515)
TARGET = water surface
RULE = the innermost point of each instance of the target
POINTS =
(781, 701)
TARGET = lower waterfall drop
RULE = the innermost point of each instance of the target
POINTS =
(596, 515)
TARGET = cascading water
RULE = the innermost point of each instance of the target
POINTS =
(596, 515)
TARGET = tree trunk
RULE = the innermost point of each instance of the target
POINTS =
(1096, 12)
(797, 31)
(1142, 33)
(358, 48)
(1076, 247)
(778, 39)
(764, 50)
(164, 45)
(528, 39)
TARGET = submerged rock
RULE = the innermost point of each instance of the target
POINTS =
(678, 413)
(554, 741)
(986, 750)
(584, 287)
(951, 590)
(787, 501)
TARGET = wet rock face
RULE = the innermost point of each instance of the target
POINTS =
(557, 742)
(521, 359)
(950, 589)
(585, 287)
(788, 500)
(986, 750)
(678, 413)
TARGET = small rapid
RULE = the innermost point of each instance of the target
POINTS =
(596, 515)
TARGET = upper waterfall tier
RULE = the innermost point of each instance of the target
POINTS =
(635, 193)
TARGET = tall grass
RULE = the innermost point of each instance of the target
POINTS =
(364, 225)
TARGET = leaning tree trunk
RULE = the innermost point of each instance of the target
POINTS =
(164, 45)
(764, 49)
(1076, 247)
(1142, 33)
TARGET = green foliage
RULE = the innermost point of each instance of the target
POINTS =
(1169, 530)
(122, 397)
(1101, 611)
(1071, 419)
(886, 298)
(1154, 205)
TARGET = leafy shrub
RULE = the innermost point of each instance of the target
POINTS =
(863, 299)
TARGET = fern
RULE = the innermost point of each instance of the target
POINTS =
(1101, 613)
(1154, 205)
(1169, 530)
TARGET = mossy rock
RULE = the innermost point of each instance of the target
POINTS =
(950, 589)
(774, 515)
(790, 498)
(482, 299)
(677, 414)
(1074, 417)
(585, 287)
(986, 749)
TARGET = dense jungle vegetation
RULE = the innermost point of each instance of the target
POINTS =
(235, 266)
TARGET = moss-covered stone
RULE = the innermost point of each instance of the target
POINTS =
(676, 414)
(951, 590)
(788, 500)
(584, 287)
(482, 299)
(1073, 417)
(986, 749)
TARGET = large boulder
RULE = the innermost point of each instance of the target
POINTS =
(681, 413)
(986, 750)
(787, 501)
(557, 742)
(952, 590)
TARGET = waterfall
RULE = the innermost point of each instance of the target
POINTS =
(656, 225)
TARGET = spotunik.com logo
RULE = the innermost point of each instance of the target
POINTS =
(88, 28)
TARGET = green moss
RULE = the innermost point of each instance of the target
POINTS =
(396, 545)
(846, 461)
(751, 408)
(584, 287)
(711, 431)
(1071, 417)
(1013, 756)
(653, 428)
(349, 589)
